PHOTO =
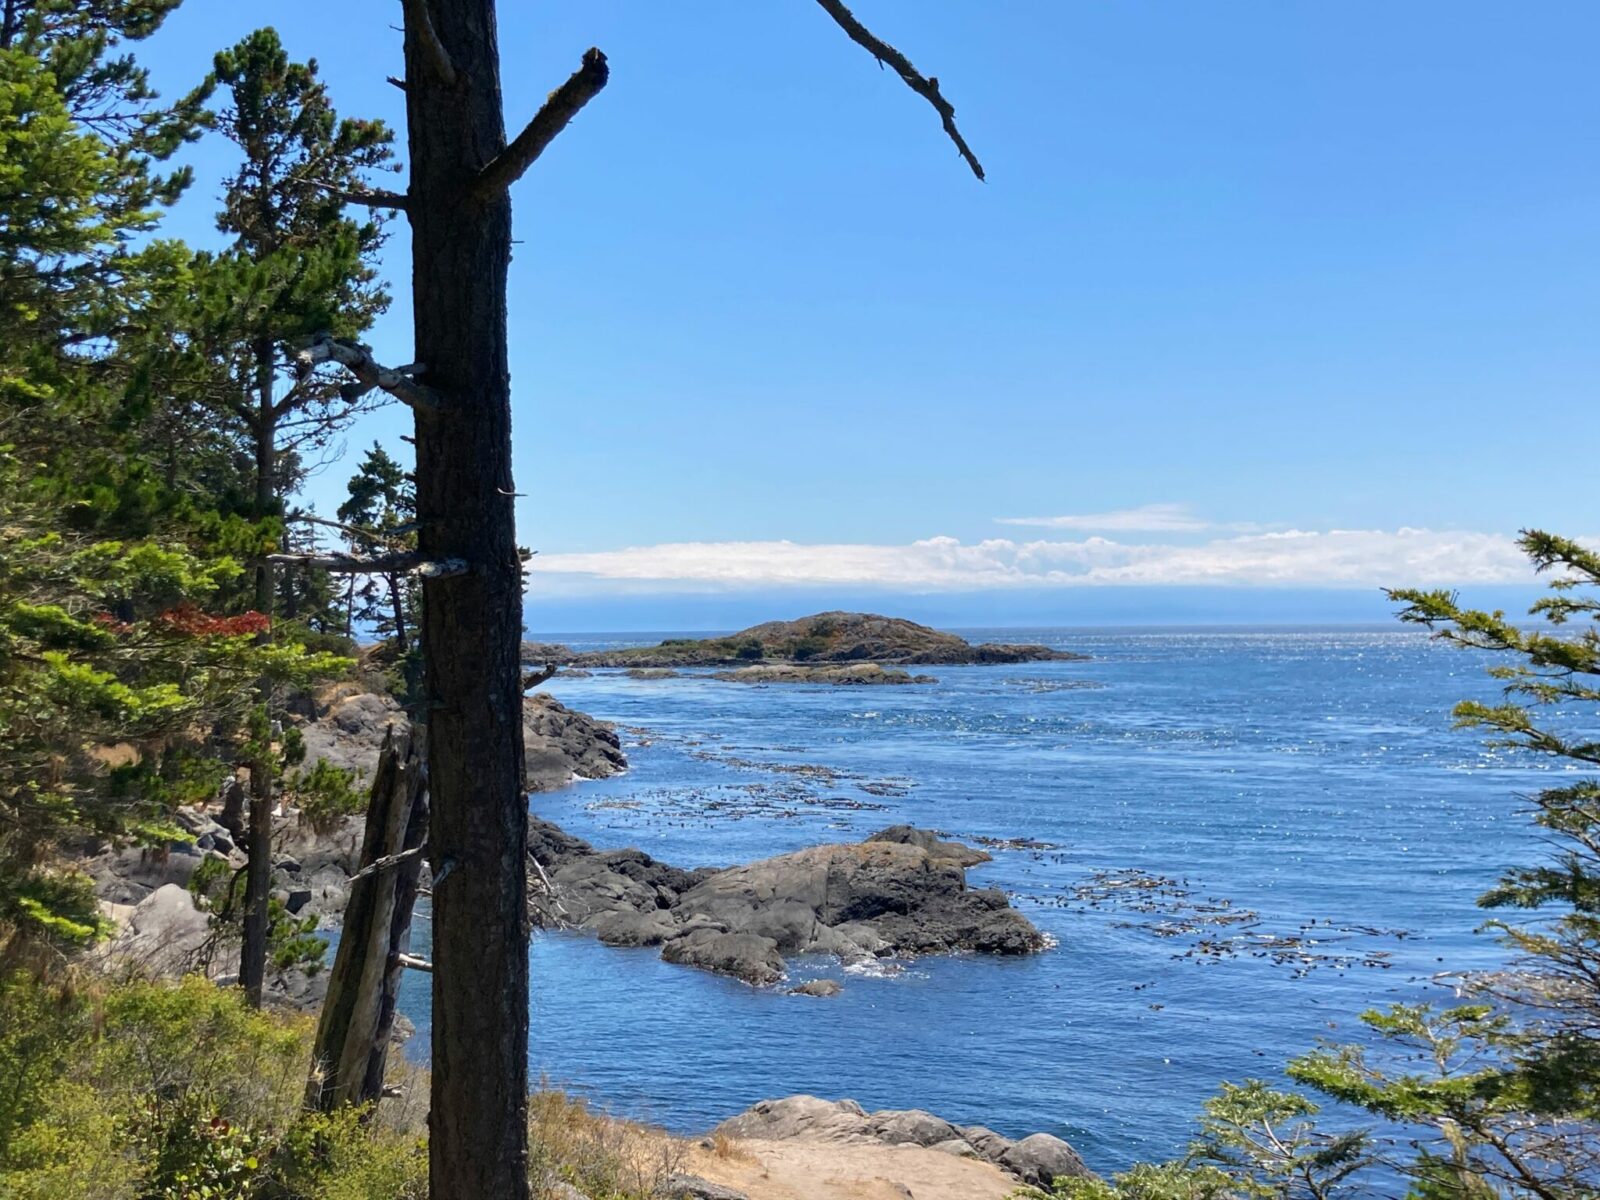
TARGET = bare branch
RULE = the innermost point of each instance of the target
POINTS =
(534, 678)
(559, 108)
(420, 25)
(414, 963)
(382, 564)
(401, 384)
(395, 81)
(358, 532)
(925, 86)
(374, 198)
(389, 862)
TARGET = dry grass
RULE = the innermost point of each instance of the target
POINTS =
(724, 1147)
(598, 1154)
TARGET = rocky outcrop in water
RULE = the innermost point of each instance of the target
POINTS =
(826, 638)
(1035, 1160)
(900, 893)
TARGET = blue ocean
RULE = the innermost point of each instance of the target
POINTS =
(1238, 839)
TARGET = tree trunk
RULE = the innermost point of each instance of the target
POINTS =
(266, 435)
(257, 884)
(357, 1013)
(471, 623)
(397, 601)
(405, 902)
(258, 878)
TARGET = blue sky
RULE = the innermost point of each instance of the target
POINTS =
(1263, 305)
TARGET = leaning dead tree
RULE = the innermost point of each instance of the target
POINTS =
(458, 205)
(374, 944)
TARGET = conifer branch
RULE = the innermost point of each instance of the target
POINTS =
(925, 86)
(558, 110)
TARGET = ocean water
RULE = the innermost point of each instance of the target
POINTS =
(1238, 839)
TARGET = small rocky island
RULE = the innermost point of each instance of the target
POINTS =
(830, 647)
(901, 893)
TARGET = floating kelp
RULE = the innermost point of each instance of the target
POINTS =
(1213, 929)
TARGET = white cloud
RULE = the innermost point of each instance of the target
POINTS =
(1147, 518)
(1292, 558)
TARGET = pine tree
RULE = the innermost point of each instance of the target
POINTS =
(297, 266)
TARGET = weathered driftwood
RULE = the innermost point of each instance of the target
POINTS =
(358, 1013)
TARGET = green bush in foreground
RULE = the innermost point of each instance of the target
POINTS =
(160, 1091)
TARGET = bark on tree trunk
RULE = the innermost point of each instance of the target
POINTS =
(397, 601)
(258, 878)
(257, 883)
(405, 902)
(471, 623)
(358, 1012)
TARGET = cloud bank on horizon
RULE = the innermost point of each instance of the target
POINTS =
(1338, 558)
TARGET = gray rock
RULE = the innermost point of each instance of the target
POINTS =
(692, 1187)
(745, 956)
(560, 745)
(1035, 1160)
(296, 900)
(927, 839)
(165, 934)
(901, 892)
(990, 1145)
(350, 732)
(128, 875)
(804, 1118)
(629, 928)
(1040, 1158)
(912, 1127)
(818, 987)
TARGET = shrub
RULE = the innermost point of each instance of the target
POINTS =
(325, 794)
(597, 1154)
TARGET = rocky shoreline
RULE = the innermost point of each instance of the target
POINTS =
(145, 890)
(901, 893)
(1034, 1160)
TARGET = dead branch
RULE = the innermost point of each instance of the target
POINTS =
(374, 198)
(925, 86)
(383, 564)
(420, 25)
(389, 862)
(559, 108)
(353, 531)
(414, 963)
(534, 678)
(398, 382)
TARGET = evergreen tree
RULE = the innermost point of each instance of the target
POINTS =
(297, 266)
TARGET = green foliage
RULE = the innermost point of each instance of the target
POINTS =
(325, 794)
(1253, 1141)
(380, 518)
(808, 647)
(151, 1091)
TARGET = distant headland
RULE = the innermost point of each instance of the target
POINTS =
(826, 639)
